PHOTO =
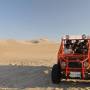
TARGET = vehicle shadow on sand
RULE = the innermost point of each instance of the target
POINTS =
(32, 77)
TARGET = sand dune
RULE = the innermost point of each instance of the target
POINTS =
(27, 65)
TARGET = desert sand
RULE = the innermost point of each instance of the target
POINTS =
(26, 65)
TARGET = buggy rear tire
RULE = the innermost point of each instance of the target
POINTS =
(56, 74)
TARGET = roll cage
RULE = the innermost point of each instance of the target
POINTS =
(74, 57)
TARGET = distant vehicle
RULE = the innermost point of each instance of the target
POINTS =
(73, 59)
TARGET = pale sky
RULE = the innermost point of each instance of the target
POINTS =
(32, 19)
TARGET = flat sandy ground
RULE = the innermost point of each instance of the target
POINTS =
(26, 65)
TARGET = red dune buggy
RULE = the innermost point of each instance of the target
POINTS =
(73, 59)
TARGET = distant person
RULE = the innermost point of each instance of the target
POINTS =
(68, 44)
(68, 47)
(75, 45)
(85, 46)
(82, 48)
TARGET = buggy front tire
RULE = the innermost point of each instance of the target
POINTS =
(56, 74)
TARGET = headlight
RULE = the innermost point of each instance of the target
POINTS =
(86, 64)
(63, 65)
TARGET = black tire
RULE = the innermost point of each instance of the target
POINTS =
(87, 76)
(56, 74)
